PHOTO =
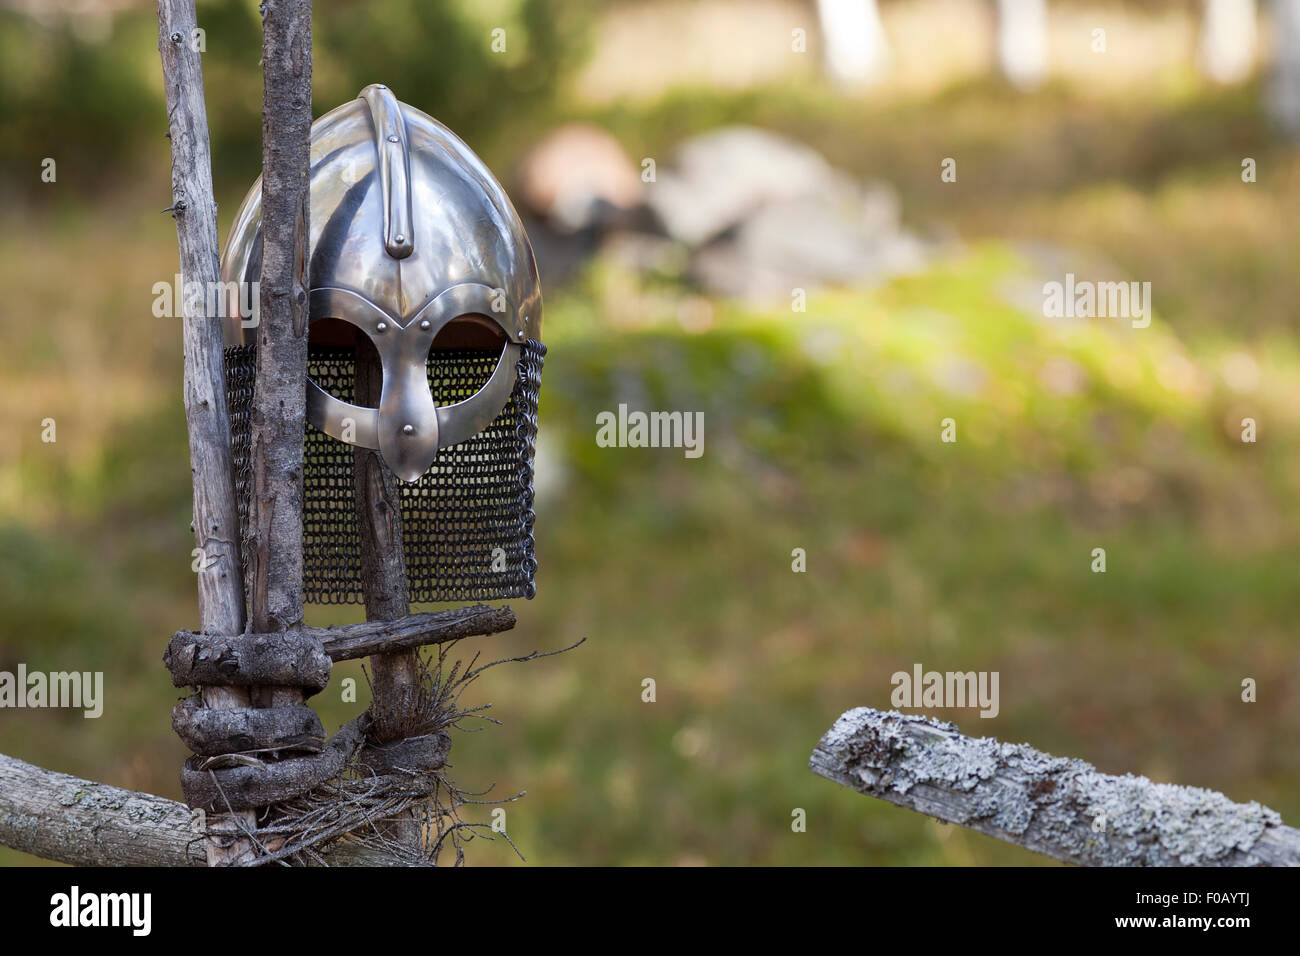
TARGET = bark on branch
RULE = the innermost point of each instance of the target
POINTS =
(351, 641)
(395, 670)
(259, 784)
(1060, 807)
(58, 817)
(69, 820)
(286, 658)
(280, 392)
(301, 657)
(211, 733)
(216, 524)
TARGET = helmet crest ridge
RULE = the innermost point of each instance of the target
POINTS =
(394, 168)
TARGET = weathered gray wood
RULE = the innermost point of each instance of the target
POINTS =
(216, 525)
(353, 854)
(248, 786)
(422, 754)
(58, 817)
(1060, 807)
(292, 658)
(63, 818)
(394, 674)
(209, 733)
(280, 393)
(301, 656)
(351, 641)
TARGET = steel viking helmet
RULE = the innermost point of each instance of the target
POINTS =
(416, 252)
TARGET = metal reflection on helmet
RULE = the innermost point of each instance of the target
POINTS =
(408, 231)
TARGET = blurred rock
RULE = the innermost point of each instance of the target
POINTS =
(739, 211)
(767, 261)
(845, 236)
(717, 179)
(764, 215)
(575, 187)
(647, 254)
(578, 177)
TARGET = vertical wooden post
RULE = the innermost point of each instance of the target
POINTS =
(279, 403)
(216, 524)
(394, 677)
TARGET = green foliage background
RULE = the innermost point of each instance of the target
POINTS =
(821, 433)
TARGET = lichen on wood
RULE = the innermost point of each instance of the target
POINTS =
(1061, 807)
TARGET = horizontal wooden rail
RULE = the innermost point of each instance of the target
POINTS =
(301, 657)
(69, 820)
(1060, 807)
(351, 641)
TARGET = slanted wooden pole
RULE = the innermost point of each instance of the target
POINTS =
(1060, 807)
(279, 401)
(278, 414)
(216, 524)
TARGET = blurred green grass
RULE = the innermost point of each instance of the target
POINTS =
(822, 433)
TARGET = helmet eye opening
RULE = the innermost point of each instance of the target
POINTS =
(463, 355)
(330, 340)
(470, 331)
(329, 331)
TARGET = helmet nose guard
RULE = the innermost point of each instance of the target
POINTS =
(409, 231)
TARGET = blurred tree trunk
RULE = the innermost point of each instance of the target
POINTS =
(1022, 42)
(1226, 53)
(1282, 94)
(853, 37)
